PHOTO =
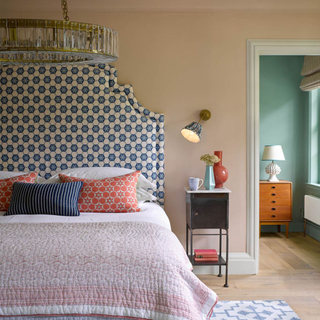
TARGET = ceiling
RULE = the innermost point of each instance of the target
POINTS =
(19, 6)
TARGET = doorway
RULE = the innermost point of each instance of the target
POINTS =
(255, 49)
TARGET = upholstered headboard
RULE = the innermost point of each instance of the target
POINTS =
(58, 117)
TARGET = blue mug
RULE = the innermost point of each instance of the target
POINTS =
(194, 183)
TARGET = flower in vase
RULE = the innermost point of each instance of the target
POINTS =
(210, 160)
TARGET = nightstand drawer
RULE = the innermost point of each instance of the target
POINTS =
(208, 212)
(277, 216)
(275, 187)
(275, 209)
(285, 194)
(275, 201)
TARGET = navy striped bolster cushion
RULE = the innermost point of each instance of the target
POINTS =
(56, 199)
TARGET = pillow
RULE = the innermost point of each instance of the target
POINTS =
(98, 173)
(117, 194)
(57, 199)
(41, 180)
(10, 174)
(7, 184)
(144, 195)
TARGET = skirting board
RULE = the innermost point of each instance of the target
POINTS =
(313, 230)
(239, 263)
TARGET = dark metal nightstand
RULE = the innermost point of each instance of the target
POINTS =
(208, 209)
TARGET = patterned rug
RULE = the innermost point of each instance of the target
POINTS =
(257, 310)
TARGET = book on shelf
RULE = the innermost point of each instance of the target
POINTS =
(205, 253)
(206, 259)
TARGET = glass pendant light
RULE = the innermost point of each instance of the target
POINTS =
(24, 41)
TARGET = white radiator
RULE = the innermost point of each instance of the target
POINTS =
(312, 209)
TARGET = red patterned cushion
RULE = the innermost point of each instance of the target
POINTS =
(6, 188)
(117, 194)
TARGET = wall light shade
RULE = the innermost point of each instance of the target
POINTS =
(192, 132)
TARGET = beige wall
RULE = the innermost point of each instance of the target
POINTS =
(180, 63)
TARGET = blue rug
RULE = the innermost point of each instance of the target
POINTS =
(257, 310)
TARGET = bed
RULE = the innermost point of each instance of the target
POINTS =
(97, 265)
(121, 265)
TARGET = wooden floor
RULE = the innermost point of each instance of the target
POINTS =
(289, 270)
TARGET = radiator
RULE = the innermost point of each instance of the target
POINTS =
(312, 209)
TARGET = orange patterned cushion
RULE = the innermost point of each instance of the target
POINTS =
(117, 194)
(7, 184)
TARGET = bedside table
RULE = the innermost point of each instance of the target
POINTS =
(276, 204)
(208, 209)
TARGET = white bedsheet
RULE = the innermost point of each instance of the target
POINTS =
(150, 212)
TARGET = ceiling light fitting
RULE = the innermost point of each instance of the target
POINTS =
(24, 41)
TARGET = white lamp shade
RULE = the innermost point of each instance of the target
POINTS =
(192, 132)
(190, 135)
(273, 152)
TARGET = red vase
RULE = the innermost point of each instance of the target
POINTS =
(220, 172)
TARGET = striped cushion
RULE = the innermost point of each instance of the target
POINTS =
(58, 199)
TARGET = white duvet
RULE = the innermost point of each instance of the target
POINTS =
(150, 212)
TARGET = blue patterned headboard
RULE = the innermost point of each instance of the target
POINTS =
(58, 117)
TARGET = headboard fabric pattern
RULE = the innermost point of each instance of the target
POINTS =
(58, 117)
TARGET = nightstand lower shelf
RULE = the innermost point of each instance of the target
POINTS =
(220, 262)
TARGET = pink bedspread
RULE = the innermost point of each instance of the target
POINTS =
(127, 269)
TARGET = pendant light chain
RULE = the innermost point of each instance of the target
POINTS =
(64, 6)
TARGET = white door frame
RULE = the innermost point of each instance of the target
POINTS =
(255, 49)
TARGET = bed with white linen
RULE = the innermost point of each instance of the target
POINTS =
(94, 265)
(102, 265)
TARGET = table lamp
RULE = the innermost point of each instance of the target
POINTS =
(273, 153)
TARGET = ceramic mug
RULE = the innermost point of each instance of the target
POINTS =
(194, 183)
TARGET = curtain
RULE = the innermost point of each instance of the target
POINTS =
(311, 73)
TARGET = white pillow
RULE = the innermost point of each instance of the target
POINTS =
(98, 173)
(10, 174)
(41, 180)
(144, 195)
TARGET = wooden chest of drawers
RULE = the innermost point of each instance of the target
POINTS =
(276, 203)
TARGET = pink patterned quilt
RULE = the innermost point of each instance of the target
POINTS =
(137, 270)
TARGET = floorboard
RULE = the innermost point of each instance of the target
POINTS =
(289, 270)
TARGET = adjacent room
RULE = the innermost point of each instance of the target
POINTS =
(159, 159)
(288, 136)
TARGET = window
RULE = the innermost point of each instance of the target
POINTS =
(314, 137)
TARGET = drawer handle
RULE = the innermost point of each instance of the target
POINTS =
(273, 216)
(273, 187)
(273, 201)
(273, 209)
(196, 213)
(273, 194)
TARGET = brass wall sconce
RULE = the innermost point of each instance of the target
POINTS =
(192, 132)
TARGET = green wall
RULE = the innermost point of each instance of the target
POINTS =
(284, 121)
